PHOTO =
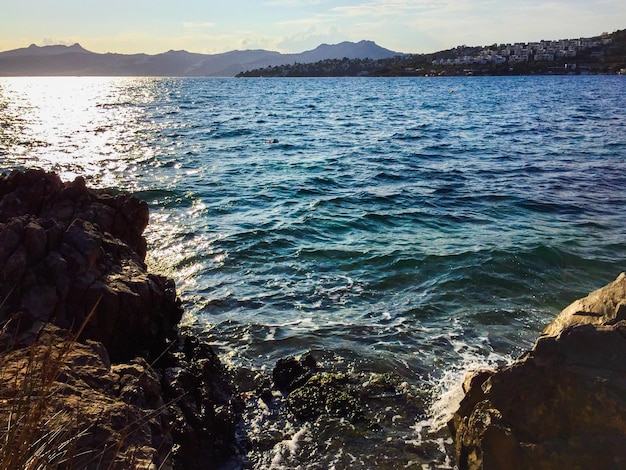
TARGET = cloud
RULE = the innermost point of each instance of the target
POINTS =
(301, 22)
(294, 3)
(296, 25)
(387, 8)
(57, 42)
(310, 38)
(481, 22)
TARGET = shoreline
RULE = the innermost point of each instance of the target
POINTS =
(74, 257)
(129, 381)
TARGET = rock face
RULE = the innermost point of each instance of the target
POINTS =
(66, 250)
(203, 405)
(605, 306)
(91, 412)
(135, 390)
(560, 405)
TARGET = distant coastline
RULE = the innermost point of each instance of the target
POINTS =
(602, 54)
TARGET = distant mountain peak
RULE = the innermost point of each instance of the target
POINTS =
(352, 50)
(35, 50)
(75, 60)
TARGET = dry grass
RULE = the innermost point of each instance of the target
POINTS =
(37, 434)
(41, 426)
(34, 436)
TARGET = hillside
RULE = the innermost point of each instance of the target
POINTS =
(604, 54)
(75, 60)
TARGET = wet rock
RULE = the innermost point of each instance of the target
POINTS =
(327, 394)
(560, 405)
(340, 418)
(203, 402)
(291, 373)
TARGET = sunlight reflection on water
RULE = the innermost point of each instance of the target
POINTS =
(394, 227)
(83, 126)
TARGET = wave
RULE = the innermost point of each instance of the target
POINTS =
(393, 227)
(231, 133)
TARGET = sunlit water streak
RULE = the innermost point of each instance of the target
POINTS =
(394, 225)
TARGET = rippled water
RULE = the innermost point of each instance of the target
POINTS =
(409, 226)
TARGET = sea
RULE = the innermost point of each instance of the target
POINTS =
(406, 228)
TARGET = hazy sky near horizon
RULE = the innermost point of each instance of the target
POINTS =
(208, 26)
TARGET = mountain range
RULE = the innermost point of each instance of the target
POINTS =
(76, 61)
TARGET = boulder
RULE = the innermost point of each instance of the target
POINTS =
(560, 405)
(97, 336)
(291, 373)
(328, 395)
(68, 253)
(80, 407)
(605, 306)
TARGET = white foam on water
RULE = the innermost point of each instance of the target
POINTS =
(448, 389)
(271, 335)
(447, 393)
(286, 448)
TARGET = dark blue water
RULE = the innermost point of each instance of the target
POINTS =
(405, 226)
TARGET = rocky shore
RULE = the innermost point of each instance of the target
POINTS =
(93, 357)
(560, 405)
(90, 343)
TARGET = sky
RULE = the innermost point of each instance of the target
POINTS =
(208, 26)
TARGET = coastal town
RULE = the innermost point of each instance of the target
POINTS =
(602, 54)
(533, 51)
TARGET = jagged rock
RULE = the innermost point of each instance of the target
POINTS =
(330, 395)
(66, 250)
(203, 403)
(83, 409)
(73, 257)
(290, 373)
(334, 416)
(605, 306)
(560, 405)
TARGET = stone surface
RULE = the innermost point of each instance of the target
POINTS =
(329, 395)
(66, 250)
(560, 405)
(203, 403)
(338, 418)
(88, 411)
(605, 306)
(129, 390)
(291, 373)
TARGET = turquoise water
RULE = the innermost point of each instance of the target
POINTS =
(410, 226)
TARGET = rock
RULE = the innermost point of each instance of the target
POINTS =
(70, 253)
(81, 407)
(290, 373)
(339, 418)
(605, 306)
(560, 405)
(327, 394)
(130, 390)
(203, 402)
(35, 241)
